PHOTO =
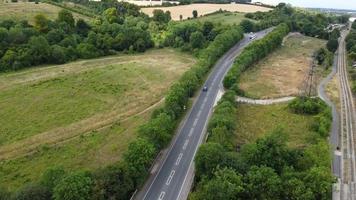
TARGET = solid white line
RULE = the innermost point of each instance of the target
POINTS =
(185, 144)
(179, 158)
(161, 196)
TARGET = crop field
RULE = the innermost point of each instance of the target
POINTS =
(27, 11)
(81, 114)
(254, 121)
(223, 18)
(203, 9)
(283, 71)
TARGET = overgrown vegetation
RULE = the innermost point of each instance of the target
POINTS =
(265, 169)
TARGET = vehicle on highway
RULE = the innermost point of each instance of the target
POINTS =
(205, 89)
(252, 36)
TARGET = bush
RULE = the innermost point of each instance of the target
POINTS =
(75, 186)
(307, 105)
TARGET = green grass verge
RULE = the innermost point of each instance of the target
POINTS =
(254, 121)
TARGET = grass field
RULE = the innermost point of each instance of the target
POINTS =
(203, 9)
(81, 114)
(283, 71)
(27, 11)
(254, 121)
(223, 18)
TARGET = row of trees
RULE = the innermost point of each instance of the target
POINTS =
(351, 49)
(255, 52)
(65, 39)
(265, 169)
(192, 35)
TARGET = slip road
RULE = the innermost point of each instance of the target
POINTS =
(172, 179)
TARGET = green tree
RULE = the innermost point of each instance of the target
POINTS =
(247, 25)
(161, 16)
(113, 182)
(270, 151)
(332, 45)
(75, 186)
(110, 15)
(139, 157)
(197, 39)
(66, 17)
(320, 180)
(41, 23)
(209, 156)
(195, 13)
(263, 183)
(39, 49)
(82, 28)
(158, 130)
(226, 184)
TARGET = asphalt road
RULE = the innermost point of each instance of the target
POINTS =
(173, 179)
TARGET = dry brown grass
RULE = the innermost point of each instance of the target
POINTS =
(283, 71)
(203, 9)
(333, 91)
(27, 11)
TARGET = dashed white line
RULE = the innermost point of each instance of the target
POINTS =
(195, 122)
(199, 113)
(170, 177)
(185, 144)
(161, 196)
(191, 132)
(179, 158)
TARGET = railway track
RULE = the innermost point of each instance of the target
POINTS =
(348, 139)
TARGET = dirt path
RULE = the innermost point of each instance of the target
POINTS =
(263, 101)
(64, 134)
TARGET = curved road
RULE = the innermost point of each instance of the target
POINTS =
(176, 172)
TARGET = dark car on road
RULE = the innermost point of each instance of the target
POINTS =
(205, 89)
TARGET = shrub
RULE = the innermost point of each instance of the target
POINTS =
(75, 186)
(307, 105)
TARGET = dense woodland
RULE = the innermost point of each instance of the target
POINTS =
(121, 28)
(351, 49)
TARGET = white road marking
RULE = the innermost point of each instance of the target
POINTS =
(170, 177)
(179, 158)
(185, 144)
(199, 113)
(191, 132)
(195, 122)
(205, 100)
(161, 196)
